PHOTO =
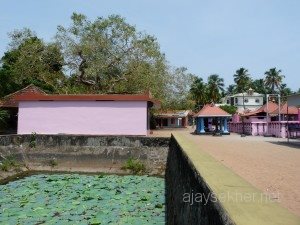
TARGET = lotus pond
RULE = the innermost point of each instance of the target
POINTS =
(83, 199)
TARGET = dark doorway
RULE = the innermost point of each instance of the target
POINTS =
(165, 122)
(11, 125)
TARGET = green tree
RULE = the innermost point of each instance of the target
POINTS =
(231, 109)
(198, 92)
(273, 79)
(178, 88)
(7, 80)
(284, 91)
(215, 85)
(259, 86)
(109, 55)
(231, 89)
(242, 80)
(30, 61)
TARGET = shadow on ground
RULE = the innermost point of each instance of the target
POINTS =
(292, 143)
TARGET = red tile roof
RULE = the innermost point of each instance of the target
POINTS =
(273, 109)
(292, 110)
(9, 101)
(210, 110)
(87, 97)
(33, 93)
(263, 109)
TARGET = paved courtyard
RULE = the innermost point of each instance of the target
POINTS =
(267, 163)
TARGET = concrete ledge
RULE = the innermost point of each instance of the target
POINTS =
(221, 181)
(74, 152)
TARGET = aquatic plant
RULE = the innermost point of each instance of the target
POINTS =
(83, 199)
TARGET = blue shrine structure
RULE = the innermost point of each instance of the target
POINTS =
(212, 119)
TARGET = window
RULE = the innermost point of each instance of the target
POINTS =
(246, 100)
(228, 101)
(257, 100)
(236, 100)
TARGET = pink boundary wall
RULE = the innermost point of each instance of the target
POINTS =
(278, 129)
(83, 117)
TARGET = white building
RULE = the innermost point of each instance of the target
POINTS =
(247, 101)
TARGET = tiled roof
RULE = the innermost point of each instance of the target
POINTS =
(292, 110)
(88, 97)
(32, 93)
(9, 101)
(263, 109)
(213, 111)
(273, 109)
(173, 113)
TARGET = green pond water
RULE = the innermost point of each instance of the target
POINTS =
(83, 199)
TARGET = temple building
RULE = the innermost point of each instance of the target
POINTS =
(212, 119)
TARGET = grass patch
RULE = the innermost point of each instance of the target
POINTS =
(53, 162)
(8, 163)
(32, 140)
(135, 166)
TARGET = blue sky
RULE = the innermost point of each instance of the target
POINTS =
(215, 36)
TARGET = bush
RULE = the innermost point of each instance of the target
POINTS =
(53, 162)
(231, 109)
(135, 166)
(8, 163)
(32, 140)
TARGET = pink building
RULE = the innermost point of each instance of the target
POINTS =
(173, 119)
(84, 114)
(265, 121)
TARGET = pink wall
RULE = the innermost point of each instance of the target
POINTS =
(83, 117)
(277, 129)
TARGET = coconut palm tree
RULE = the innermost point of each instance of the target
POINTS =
(215, 85)
(198, 91)
(273, 79)
(242, 79)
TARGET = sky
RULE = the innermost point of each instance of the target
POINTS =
(206, 36)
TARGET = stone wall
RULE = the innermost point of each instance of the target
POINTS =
(183, 180)
(95, 153)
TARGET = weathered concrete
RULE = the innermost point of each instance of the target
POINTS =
(182, 179)
(231, 200)
(102, 153)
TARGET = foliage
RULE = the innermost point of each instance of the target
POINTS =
(231, 89)
(198, 92)
(31, 61)
(8, 163)
(110, 55)
(231, 109)
(242, 80)
(53, 162)
(178, 89)
(273, 79)
(152, 120)
(83, 199)
(215, 85)
(135, 166)
(4, 116)
(284, 91)
(32, 140)
(260, 87)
